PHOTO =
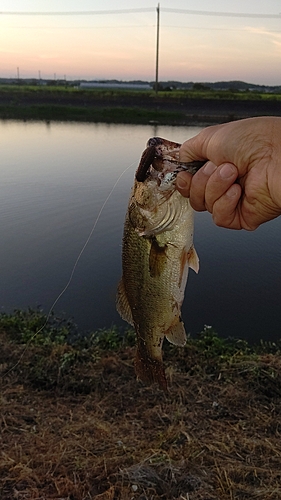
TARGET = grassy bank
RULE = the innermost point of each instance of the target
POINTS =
(91, 114)
(162, 94)
(116, 106)
(76, 424)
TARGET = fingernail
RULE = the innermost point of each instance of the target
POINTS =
(227, 171)
(233, 191)
(209, 168)
(181, 182)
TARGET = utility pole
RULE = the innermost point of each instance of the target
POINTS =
(18, 74)
(157, 48)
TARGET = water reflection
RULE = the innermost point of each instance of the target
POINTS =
(54, 180)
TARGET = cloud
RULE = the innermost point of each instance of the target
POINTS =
(273, 36)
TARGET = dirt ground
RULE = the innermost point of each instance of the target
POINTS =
(76, 424)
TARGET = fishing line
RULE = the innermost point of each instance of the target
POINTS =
(73, 269)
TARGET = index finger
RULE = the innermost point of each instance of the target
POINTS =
(196, 148)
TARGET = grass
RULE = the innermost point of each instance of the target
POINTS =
(162, 94)
(76, 424)
(90, 114)
(119, 106)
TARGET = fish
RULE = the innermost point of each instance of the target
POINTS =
(157, 253)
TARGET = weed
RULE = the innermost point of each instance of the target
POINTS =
(112, 338)
(212, 345)
(31, 326)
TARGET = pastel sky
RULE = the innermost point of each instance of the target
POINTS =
(193, 46)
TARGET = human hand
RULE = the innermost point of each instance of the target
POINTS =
(241, 183)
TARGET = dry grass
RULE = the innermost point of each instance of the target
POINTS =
(95, 432)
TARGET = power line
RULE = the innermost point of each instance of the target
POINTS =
(221, 14)
(130, 26)
(210, 28)
(94, 27)
(75, 13)
(149, 9)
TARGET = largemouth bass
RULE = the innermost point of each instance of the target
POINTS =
(157, 254)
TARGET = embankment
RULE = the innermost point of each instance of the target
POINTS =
(124, 107)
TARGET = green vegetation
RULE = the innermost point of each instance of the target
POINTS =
(198, 91)
(35, 328)
(28, 102)
(49, 342)
(89, 114)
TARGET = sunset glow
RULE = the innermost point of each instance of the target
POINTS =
(193, 47)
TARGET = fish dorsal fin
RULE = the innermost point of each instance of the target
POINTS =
(122, 304)
(176, 334)
(193, 259)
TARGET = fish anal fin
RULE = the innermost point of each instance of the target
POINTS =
(157, 258)
(150, 370)
(193, 259)
(122, 304)
(176, 334)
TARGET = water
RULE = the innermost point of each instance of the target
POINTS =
(54, 180)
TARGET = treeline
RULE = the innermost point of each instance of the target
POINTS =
(232, 85)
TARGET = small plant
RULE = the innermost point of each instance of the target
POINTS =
(209, 342)
(34, 327)
(112, 338)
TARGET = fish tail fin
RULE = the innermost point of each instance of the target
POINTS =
(150, 370)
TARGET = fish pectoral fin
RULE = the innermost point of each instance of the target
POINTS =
(176, 334)
(193, 259)
(157, 258)
(122, 304)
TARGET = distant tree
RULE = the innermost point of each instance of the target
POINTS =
(200, 86)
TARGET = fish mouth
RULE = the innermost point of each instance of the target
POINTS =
(155, 141)
(163, 145)
(157, 151)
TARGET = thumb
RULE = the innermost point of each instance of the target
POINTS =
(183, 182)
